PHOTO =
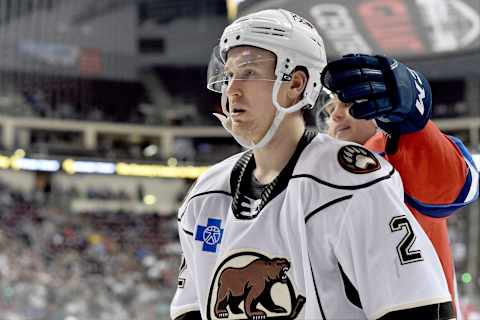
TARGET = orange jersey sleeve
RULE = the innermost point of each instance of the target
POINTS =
(432, 168)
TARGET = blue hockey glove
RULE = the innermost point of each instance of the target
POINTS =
(381, 88)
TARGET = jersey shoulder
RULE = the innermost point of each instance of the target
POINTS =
(342, 164)
(213, 182)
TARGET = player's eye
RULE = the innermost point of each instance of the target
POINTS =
(328, 110)
(227, 76)
(247, 74)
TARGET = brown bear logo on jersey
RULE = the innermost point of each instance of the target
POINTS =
(250, 285)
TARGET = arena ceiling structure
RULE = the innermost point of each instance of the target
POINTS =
(116, 38)
(109, 39)
(440, 37)
(69, 38)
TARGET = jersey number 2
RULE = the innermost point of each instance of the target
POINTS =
(404, 248)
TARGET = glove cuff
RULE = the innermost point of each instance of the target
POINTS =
(413, 96)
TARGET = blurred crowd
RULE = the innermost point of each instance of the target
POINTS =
(104, 265)
(56, 265)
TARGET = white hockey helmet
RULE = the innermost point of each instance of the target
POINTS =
(295, 43)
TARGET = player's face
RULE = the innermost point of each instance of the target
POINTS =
(249, 92)
(342, 125)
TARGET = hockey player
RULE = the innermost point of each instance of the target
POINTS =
(438, 173)
(300, 226)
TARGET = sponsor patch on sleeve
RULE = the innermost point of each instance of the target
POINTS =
(357, 159)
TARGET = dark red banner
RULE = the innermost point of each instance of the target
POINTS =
(402, 28)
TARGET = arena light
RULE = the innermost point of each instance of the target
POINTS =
(14, 159)
(150, 150)
(232, 9)
(20, 153)
(4, 162)
(172, 162)
(71, 166)
(37, 164)
(159, 171)
(149, 199)
(467, 278)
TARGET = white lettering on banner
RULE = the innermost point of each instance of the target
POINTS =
(437, 15)
(335, 22)
(51, 53)
(421, 92)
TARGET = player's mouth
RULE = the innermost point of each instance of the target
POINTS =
(237, 112)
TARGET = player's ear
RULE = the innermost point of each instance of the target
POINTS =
(297, 85)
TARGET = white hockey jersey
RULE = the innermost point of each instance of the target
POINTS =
(330, 239)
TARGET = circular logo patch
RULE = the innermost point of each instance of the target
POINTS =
(212, 235)
(357, 159)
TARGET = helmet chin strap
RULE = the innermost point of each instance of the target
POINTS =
(280, 113)
(227, 124)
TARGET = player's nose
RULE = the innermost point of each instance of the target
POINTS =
(338, 113)
(234, 88)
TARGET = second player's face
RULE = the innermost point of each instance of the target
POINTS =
(249, 92)
(343, 126)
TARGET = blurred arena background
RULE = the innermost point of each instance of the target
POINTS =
(105, 122)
